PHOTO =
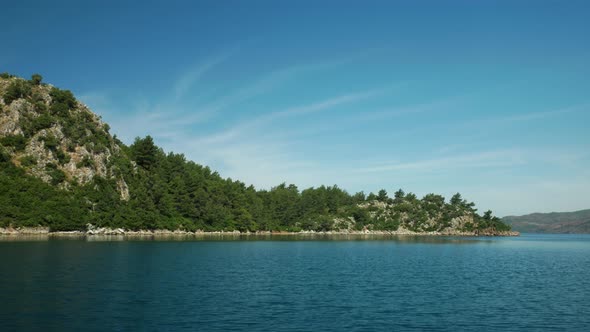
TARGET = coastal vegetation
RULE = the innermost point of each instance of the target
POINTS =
(60, 168)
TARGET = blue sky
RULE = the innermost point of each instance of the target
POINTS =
(487, 98)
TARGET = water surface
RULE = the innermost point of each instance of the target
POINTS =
(283, 283)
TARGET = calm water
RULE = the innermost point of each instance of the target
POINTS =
(535, 282)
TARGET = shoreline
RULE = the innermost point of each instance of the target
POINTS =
(92, 232)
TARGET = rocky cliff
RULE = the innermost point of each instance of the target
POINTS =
(54, 137)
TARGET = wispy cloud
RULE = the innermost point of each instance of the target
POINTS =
(194, 74)
(352, 121)
(424, 107)
(94, 98)
(263, 163)
(249, 150)
(545, 114)
(489, 125)
(450, 148)
(268, 118)
(253, 152)
(500, 158)
(530, 116)
(263, 85)
(494, 159)
(326, 104)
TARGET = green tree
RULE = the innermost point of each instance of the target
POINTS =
(382, 195)
(36, 79)
(399, 196)
(144, 152)
(456, 200)
(359, 197)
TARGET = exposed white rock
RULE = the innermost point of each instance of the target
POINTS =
(123, 189)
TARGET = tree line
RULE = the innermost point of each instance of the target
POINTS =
(167, 191)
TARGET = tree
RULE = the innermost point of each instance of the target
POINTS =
(456, 200)
(144, 152)
(359, 197)
(36, 79)
(399, 196)
(382, 195)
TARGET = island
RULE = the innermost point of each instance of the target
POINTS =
(62, 172)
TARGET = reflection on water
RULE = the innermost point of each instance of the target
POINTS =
(35, 237)
(569, 241)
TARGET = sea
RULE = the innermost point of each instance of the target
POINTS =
(296, 283)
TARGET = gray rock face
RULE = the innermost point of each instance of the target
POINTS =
(11, 116)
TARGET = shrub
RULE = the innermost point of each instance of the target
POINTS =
(62, 97)
(43, 121)
(62, 157)
(71, 147)
(40, 106)
(60, 109)
(50, 141)
(4, 156)
(18, 142)
(17, 89)
(36, 79)
(32, 125)
(28, 161)
(85, 162)
(57, 175)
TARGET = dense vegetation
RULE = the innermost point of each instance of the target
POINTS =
(166, 191)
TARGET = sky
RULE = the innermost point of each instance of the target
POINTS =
(487, 98)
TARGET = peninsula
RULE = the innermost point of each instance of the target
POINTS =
(61, 171)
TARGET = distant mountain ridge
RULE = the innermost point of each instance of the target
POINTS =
(554, 222)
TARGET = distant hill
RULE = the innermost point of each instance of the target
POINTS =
(554, 222)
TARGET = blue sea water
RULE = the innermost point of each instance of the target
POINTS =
(528, 283)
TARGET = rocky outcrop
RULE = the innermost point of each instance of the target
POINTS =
(433, 223)
(123, 189)
(10, 117)
(48, 148)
